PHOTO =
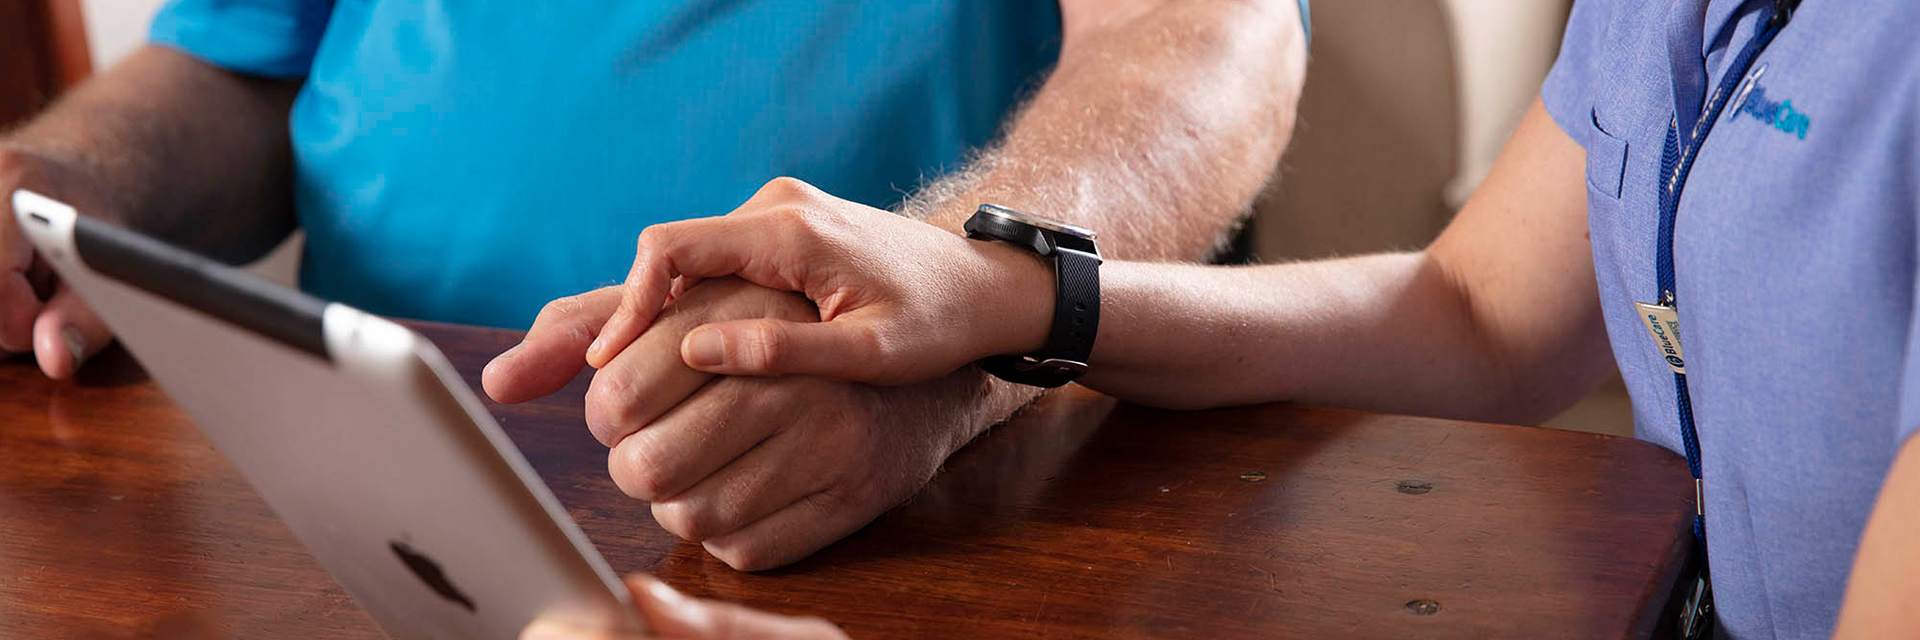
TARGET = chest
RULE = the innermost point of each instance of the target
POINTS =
(1794, 239)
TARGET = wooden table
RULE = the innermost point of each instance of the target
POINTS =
(1081, 519)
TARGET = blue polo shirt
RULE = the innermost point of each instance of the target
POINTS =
(1794, 251)
(469, 161)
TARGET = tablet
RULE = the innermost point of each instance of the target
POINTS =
(356, 431)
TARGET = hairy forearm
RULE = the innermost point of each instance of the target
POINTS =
(179, 149)
(1157, 130)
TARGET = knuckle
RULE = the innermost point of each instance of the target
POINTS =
(766, 345)
(742, 555)
(825, 503)
(651, 239)
(682, 519)
(872, 342)
(558, 308)
(609, 409)
(633, 468)
(788, 187)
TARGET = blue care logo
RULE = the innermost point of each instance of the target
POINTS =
(1751, 100)
(1668, 348)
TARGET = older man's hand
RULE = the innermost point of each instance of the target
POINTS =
(760, 471)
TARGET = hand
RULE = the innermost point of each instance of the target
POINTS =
(60, 329)
(900, 301)
(670, 615)
(760, 471)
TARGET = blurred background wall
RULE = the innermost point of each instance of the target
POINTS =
(115, 27)
(1407, 103)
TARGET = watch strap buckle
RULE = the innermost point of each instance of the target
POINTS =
(1061, 366)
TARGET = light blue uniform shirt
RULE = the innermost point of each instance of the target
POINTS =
(1794, 252)
(468, 161)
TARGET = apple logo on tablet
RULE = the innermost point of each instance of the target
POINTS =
(429, 572)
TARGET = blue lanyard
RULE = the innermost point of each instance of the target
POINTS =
(1676, 162)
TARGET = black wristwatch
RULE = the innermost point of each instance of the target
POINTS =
(1076, 303)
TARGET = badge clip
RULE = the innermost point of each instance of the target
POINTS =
(1663, 324)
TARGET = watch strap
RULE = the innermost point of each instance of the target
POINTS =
(1076, 322)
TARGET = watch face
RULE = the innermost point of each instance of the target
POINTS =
(1029, 219)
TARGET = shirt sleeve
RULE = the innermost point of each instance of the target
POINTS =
(1306, 21)
(272, 38)
(1567, 92)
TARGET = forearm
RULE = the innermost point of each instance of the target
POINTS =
(1882, 598)
(1498, 320)
(1385, 332)
(1157, 130)
(179, 149)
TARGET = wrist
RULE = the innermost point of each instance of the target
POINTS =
(1020, 299)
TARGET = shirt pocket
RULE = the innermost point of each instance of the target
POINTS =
(1606, 159)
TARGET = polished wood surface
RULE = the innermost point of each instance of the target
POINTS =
(1081, 519)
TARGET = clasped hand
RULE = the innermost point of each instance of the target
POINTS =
(899, 301)
(763, 470)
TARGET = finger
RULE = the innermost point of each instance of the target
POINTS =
(67, 333)
(648, 287)
(681, 285)
(790, 533)
(771, 475)
(641, 383)
(672, 615)
(847, 348)
(19, 303)
(692, 441)
(554, 349)
(18, 307)
(692, 249)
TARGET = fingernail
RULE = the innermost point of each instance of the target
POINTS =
(706, 348)
(599, 342)
(76, 343)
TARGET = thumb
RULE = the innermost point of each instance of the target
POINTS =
(844, 349)
(67, 333)
(551, 355)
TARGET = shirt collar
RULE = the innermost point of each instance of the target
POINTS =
(1689, 24)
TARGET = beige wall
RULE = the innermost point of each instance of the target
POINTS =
(1407, 104)
(115, 27)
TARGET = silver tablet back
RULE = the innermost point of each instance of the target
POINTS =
(355, 430)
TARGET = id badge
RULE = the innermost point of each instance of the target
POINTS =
(1663, 323)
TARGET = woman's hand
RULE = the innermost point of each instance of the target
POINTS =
(900, 301)
(669, 614)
